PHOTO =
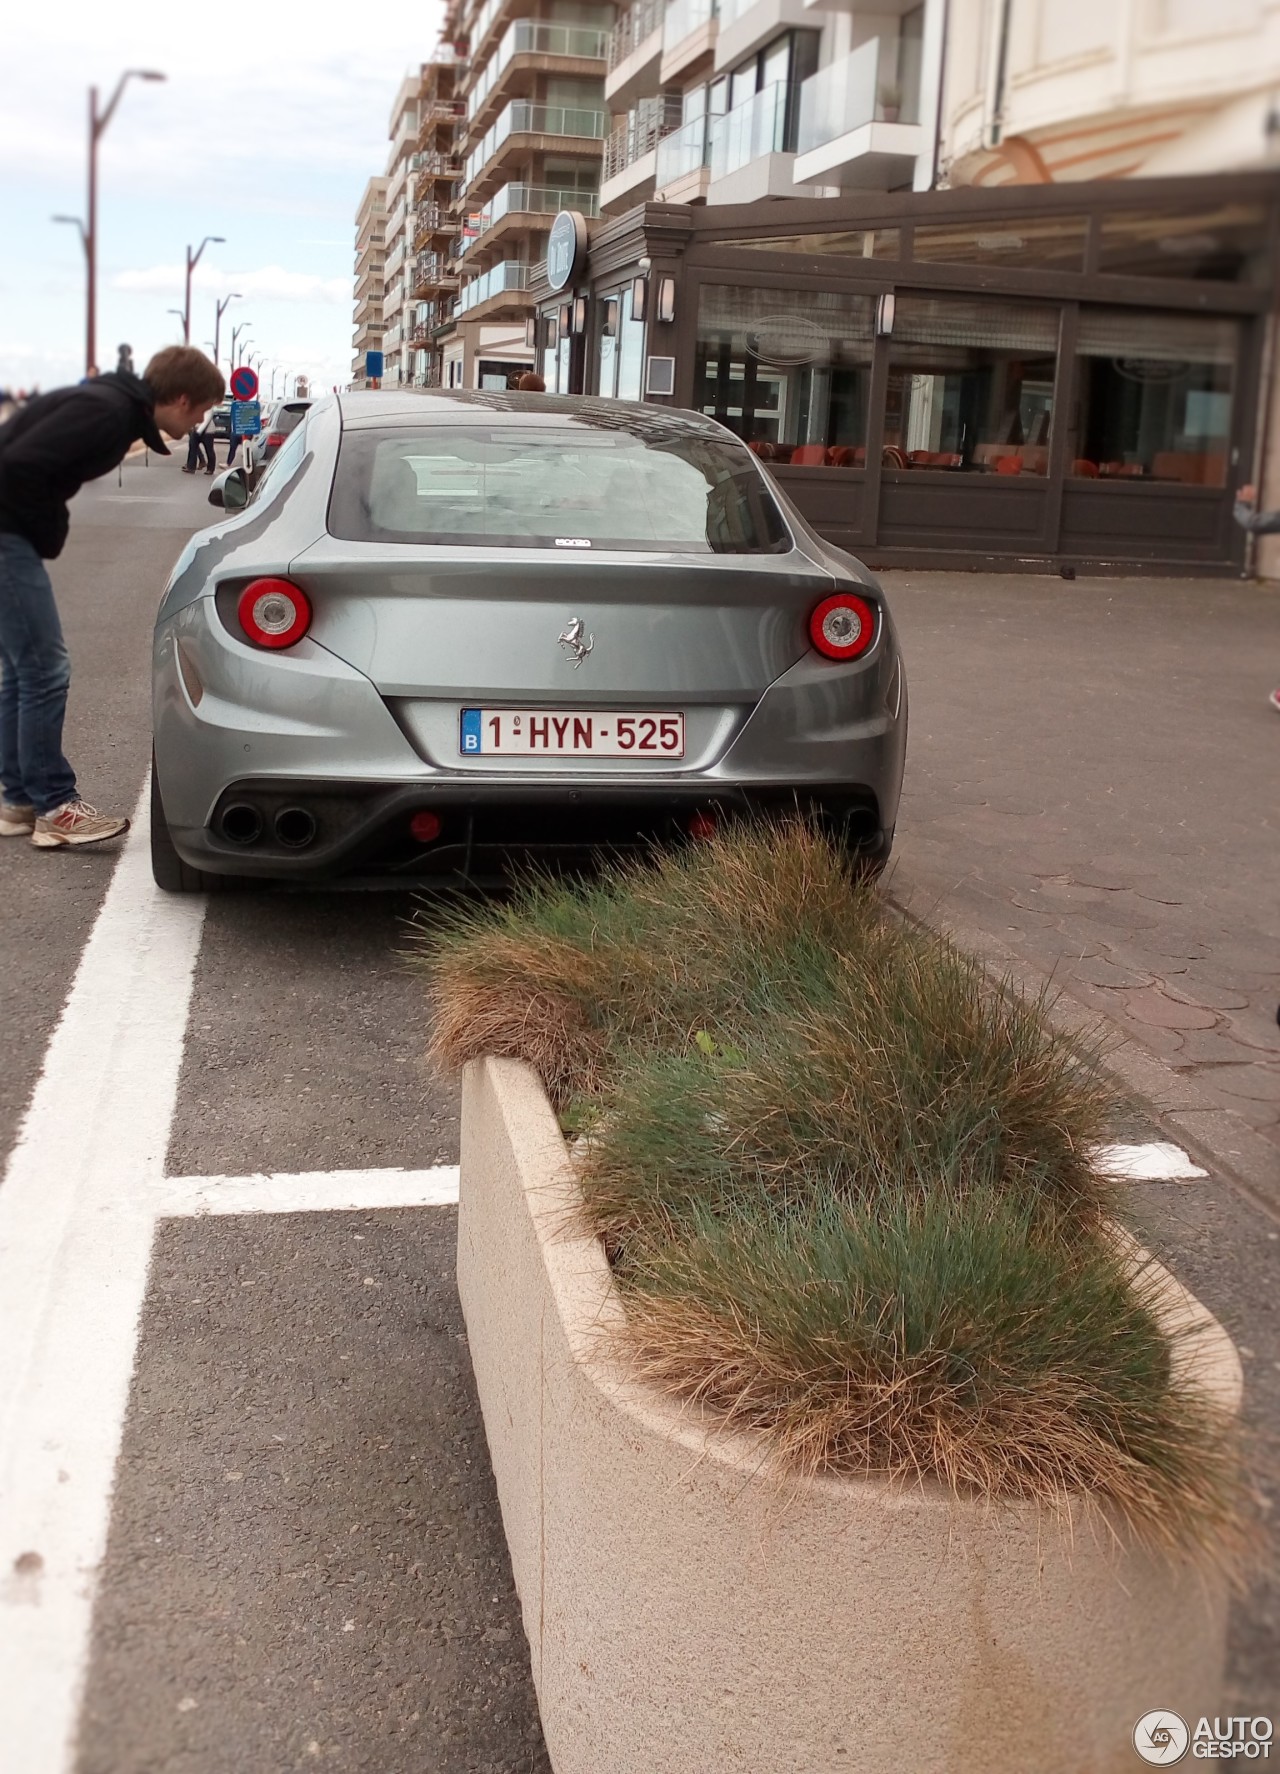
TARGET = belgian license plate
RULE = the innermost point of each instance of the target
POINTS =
(564, 733)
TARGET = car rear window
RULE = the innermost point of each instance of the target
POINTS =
(581, 485)
(290, 417)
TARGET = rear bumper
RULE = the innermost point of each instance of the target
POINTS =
(235, 728)
(323, 831)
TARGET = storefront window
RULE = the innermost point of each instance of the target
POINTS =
(630, 350)
(790, 379)
(844, 243)
(1225, 244)
(971, 385)
(1155, 395)
(1052, 243)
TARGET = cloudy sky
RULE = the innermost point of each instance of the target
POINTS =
(270, 121)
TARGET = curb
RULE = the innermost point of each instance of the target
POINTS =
(1222, 1140)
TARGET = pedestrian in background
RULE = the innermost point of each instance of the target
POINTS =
(47, 452)
(1258, 523)
(208, 435)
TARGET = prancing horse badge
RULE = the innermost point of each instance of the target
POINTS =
(571, 639)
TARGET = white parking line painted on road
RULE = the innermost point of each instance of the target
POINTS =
(1156, 1162)
(76, 1226)
(309, 1191)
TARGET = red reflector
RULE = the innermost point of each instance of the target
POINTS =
(843, 626)
(424, 828)
(702, 826)
(274, 613)
(275, 439)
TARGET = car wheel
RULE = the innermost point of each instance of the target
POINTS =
(168, 870)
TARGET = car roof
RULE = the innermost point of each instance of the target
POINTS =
(396, 408)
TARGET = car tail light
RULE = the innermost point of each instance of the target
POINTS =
(703, 827)
(275, 439)
(843, 626)
(274, 613)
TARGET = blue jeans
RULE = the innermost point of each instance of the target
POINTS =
(33, 688)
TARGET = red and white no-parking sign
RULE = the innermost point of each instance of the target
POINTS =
(244, 382)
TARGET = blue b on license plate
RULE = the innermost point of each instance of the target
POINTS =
(569, 733)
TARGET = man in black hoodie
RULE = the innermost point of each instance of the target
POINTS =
(47, 452)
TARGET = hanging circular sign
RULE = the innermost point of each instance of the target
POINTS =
(785, 341)
(566, 248)
(244, 382)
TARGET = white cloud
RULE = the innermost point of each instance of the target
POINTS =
(271, 282)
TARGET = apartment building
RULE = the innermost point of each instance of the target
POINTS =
(370, 258)
(527, 144)
(397, 325)
(434, 224)
(731, 101)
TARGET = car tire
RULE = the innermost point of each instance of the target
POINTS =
(170, 873)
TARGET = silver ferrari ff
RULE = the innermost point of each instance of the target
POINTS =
(451, 632)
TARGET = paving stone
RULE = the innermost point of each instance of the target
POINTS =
(1165, 1042)
(1212, 1048)
(1100, 970)
(1154, 1010)
(1198, 990)
(1257, 1028)
(1261, 1084)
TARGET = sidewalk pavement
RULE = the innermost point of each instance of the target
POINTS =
(1093, 798)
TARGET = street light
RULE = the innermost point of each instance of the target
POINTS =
(193, 259)
(98, 122)
(178, 311)
(235, 334)
(223, 305)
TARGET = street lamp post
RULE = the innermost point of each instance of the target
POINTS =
(180, 314)
(223, 305)
(193, 259)
(98, 122)
(235, 334)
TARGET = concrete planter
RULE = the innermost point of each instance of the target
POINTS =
(686, 1614)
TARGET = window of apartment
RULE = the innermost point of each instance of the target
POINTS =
(858, 243)
(971, 385)
(792, 381)
(1226, 243)
(1155, 395)
(763, 114)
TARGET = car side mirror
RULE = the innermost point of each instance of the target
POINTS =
(230, 490)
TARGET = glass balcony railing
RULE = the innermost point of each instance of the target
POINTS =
(751, 130)
(509, 275)
(878, 83)
(636, 26)
(684, 16)
(684, 150)
(522, 117)
(529, 200)
(529, 37)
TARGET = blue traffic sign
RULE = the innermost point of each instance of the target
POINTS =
(246, 418)
(373, 366)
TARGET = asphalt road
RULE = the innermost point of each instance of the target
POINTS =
(305, 1564)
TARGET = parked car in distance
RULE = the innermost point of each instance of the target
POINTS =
(222, 420)
(447, 633)
(278, 422)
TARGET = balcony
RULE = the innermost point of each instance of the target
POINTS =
(747, 25)
(860, 118)
(549, 125)
(538, 48)
(682, 171)
(431, 271)
(394, 262)
(436, 165)
(630, 155)
(523, 203)
(507, 278)
(635, 49)
(429, 219)
(750, 131)
(689, 32)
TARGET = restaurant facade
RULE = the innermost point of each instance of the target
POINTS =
(1036, 377)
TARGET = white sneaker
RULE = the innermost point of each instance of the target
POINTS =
(17, 819)
(75, 823)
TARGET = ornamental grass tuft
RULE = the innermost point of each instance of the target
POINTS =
(843, 1179)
